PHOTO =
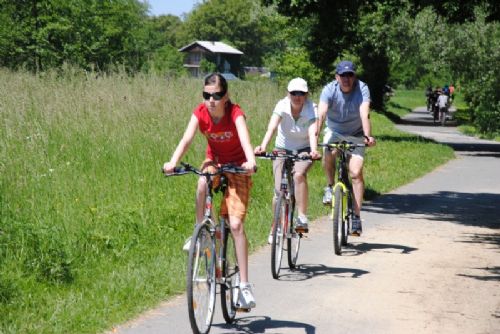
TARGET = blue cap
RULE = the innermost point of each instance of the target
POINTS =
(346, 66)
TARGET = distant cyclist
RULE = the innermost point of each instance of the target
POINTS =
(345, 103)
(443, 103)
(428, 96)
(294, 117)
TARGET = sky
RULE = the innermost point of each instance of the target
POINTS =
(174, 7)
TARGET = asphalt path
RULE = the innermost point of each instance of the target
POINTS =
(428, 260)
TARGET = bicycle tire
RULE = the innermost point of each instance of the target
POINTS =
(280, 216)
(201, 284)
(347, 217)
(337, 218)
(293, 239)
(231, 274)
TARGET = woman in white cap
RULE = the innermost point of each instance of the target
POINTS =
(295, 119)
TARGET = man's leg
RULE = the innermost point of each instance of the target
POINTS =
(329, 168)
(358, 182)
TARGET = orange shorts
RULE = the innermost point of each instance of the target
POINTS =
(237, 196)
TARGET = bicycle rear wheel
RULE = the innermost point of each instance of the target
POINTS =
(231, 275)
(201, 279)
(280, 217)
(293, 239)
(338, 226)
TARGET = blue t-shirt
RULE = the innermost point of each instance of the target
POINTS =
(343, 115)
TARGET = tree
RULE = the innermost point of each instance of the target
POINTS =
(166, 60)
(39, 34)
(293, 63)
(164, 29)
(244, 24)
(369, 30)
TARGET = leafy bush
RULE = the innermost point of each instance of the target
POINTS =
(295, 63)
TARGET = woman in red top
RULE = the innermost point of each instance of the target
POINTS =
(223, 124)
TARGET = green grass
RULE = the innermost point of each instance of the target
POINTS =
(90, 231)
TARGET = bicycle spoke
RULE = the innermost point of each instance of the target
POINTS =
(231, 275)
(201, 280)
(338, 217)
(278, 232)
(293, 239)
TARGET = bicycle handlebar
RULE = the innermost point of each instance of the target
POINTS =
(343, 145)
(187, 168)
(283, 155)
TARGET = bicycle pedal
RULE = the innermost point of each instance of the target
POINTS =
(243, 310)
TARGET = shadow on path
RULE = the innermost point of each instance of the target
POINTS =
(494, 274)
(386, 248)
(252, 325)
(307, 271)
(481, 209)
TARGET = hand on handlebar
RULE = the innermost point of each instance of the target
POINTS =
(168, 168)
(370, 141)
(259, 149)
(250, 167)
(315, 155)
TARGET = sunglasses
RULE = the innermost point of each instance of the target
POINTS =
(217, 95)
(347, 75)
(297, 93)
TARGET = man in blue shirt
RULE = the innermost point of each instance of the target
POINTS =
(345, 103)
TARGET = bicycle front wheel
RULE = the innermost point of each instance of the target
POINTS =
(280, 217)
(338, 215)
(293, 239)
(201, 279)
(231, 275)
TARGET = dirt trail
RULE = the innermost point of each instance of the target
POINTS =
(427, 262)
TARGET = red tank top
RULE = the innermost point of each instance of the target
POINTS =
(224, 144)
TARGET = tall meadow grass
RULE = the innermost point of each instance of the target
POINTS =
(90, 231)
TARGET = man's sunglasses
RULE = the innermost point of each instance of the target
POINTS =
(297, 93)
(217, 95)
(347, 74)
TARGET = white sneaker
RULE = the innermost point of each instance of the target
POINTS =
(302, 225)
(270, 238)
(246, 299)
(187, 245)
(327, 195)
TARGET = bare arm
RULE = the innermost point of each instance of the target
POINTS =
(313, 140)
(241, 127)
(183, 145)
(322, 110)
(364, 111)
(271, 129)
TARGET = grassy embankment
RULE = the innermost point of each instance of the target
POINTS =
(90, 232)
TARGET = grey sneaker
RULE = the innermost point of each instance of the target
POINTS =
(327, 196)
(187, 245)
(302, 224)
(356, 228)
(246, 299)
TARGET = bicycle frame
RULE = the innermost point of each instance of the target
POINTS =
(208, 260)
(344, 182)
(342, 194)
(283, 225)
(287, 189)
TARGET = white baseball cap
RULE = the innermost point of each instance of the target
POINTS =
(298, 84)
